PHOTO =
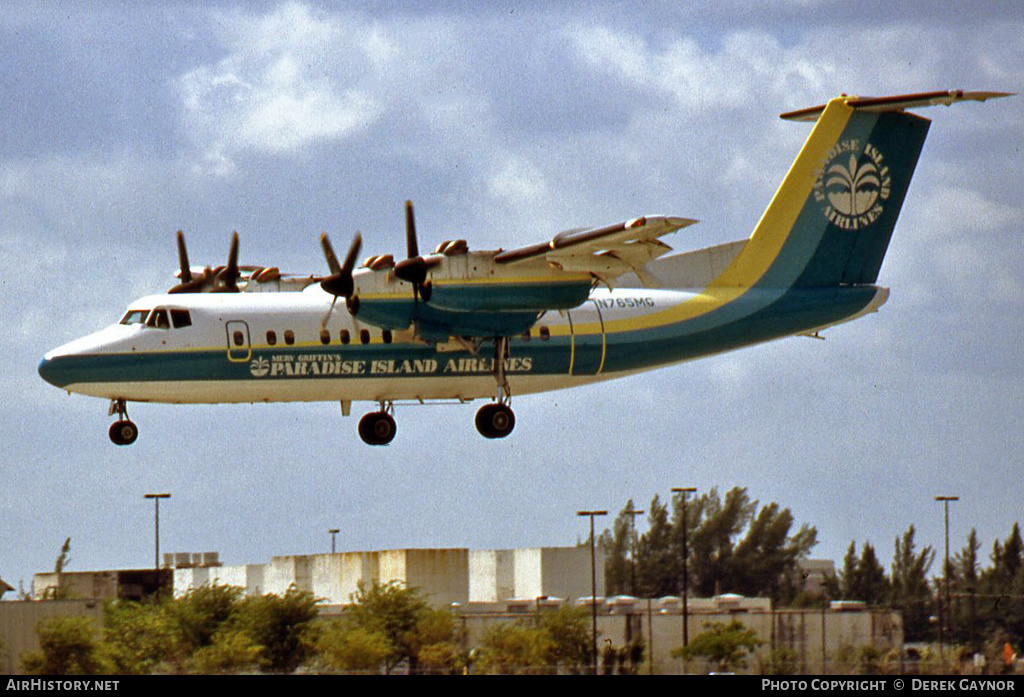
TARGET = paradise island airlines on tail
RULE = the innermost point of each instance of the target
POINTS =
(586, 305)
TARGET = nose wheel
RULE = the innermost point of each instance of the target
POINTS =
(123, 431)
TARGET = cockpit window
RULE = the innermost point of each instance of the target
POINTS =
(134, 317)
(158, 319)
(181, 318)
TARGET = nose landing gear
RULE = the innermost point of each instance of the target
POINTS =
(123, 431)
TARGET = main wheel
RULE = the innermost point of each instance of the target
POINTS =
(123, 432)
(495, 420)
(377, 428)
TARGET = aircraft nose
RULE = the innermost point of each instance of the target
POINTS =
(47, 371)
(57, 369)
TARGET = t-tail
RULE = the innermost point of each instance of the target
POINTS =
(830, 222)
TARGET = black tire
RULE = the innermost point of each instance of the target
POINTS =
(495, 420)
(377, 428)
(123, 432)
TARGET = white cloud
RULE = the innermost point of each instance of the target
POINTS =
(289, 81)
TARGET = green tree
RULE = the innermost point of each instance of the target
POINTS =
(725, 645)
(864, 578)
(402, 615)
(140, 636)
(1003, 584)
(351, 649)
(569, 631)
(966, 583)
(739, 546)
(64, 558)
(67, 646)
(281, 626)
(911, 594)
(618, 545)
(201, 612)
(231, 651)
(658, 559)
(515, 649)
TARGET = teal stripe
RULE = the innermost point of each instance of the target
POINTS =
(796, 310)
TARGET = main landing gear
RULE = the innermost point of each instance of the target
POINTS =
(378, 427)
(123, 431)
(496, 420)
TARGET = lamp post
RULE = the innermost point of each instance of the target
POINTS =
(593, 583)
(633, 513)
(944, 610)
(684, 492)
(632, 545)
(334, 532)
(156, 507)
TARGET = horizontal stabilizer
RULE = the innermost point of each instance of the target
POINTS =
(897, 102)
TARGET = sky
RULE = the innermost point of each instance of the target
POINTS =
(504, 123)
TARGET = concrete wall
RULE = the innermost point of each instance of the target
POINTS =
(18, 621)
(798, 630)
(561, 572)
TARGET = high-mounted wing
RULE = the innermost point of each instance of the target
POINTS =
(606, 253)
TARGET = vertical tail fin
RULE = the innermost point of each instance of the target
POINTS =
(832, 217)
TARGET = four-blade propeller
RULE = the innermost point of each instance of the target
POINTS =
(413, 269)
(340, 283)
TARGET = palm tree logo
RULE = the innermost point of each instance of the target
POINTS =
(853, 183)
(853, 189)
(260, 367)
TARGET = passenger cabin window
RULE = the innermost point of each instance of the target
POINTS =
(364, 336)
(545, 333)
(181, 318)
(135, 317)
(345, 337)
(158, 319)
(289, 337)
(271, 337)
(325, 337)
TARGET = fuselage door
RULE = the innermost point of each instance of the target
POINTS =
(239, 347)
(587, 350)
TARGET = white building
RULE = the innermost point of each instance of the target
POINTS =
(445, 576)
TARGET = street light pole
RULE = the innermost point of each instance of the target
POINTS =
(593, 583)
(633, 513)
(156, 508)
(684, 492)
(944, 614)
(333, 531)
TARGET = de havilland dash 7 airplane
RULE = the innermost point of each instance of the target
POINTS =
(586, 305)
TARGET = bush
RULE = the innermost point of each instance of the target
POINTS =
(68, 646)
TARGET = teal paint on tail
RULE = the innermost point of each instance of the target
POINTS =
(857, 197)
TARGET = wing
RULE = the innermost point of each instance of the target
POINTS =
(606, 253)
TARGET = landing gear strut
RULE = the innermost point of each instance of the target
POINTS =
(496, 420)
(123, 431)
(378, 427)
